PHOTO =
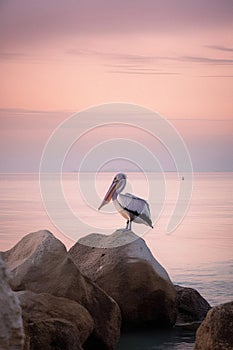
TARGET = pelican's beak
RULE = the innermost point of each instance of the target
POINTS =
(109, 194)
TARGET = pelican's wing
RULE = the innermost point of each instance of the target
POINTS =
(136, 206)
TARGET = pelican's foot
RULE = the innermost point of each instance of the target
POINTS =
(128, 225)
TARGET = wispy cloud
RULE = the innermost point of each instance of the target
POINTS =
(126, 57)
(15, 111)
(123, 58)
(12, 55)
(134, 70)
(31, 119)
(216, 76)
(141, 72)
(137, 58)
(206, 60)
(220, 48)
(30, 57)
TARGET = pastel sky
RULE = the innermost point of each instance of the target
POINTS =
(61, 56)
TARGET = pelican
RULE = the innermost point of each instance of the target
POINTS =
(132, 208)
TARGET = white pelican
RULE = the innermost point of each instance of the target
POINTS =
(132, 208)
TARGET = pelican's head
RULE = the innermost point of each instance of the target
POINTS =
(117, 185)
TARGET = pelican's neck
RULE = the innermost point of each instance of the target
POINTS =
(119, 189)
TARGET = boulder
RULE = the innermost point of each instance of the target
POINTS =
(191, 306)
(39, 263)
(11, 324)
(216, 331)
(123, 266)
(53, 322)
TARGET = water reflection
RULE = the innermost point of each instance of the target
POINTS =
(173, 339)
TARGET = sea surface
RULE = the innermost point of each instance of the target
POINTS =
(197, 254)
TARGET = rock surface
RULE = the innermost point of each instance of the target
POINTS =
(39, 263)
(216, 331)
(191, 306)
(11, 324)
(54, 322)
(123, 266)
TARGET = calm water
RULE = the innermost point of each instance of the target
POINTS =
(198, 254)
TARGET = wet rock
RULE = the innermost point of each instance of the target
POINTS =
(53, 322)
(123, 266)
(39, 263)
(11, 324)
(191, 306)
(216, 331)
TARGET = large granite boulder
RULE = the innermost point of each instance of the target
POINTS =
(123, 266)
(191, 306)
(216, 331)
(39, 263)
(53, 322)
(11, 324)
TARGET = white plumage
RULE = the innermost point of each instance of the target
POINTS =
(132, 208)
